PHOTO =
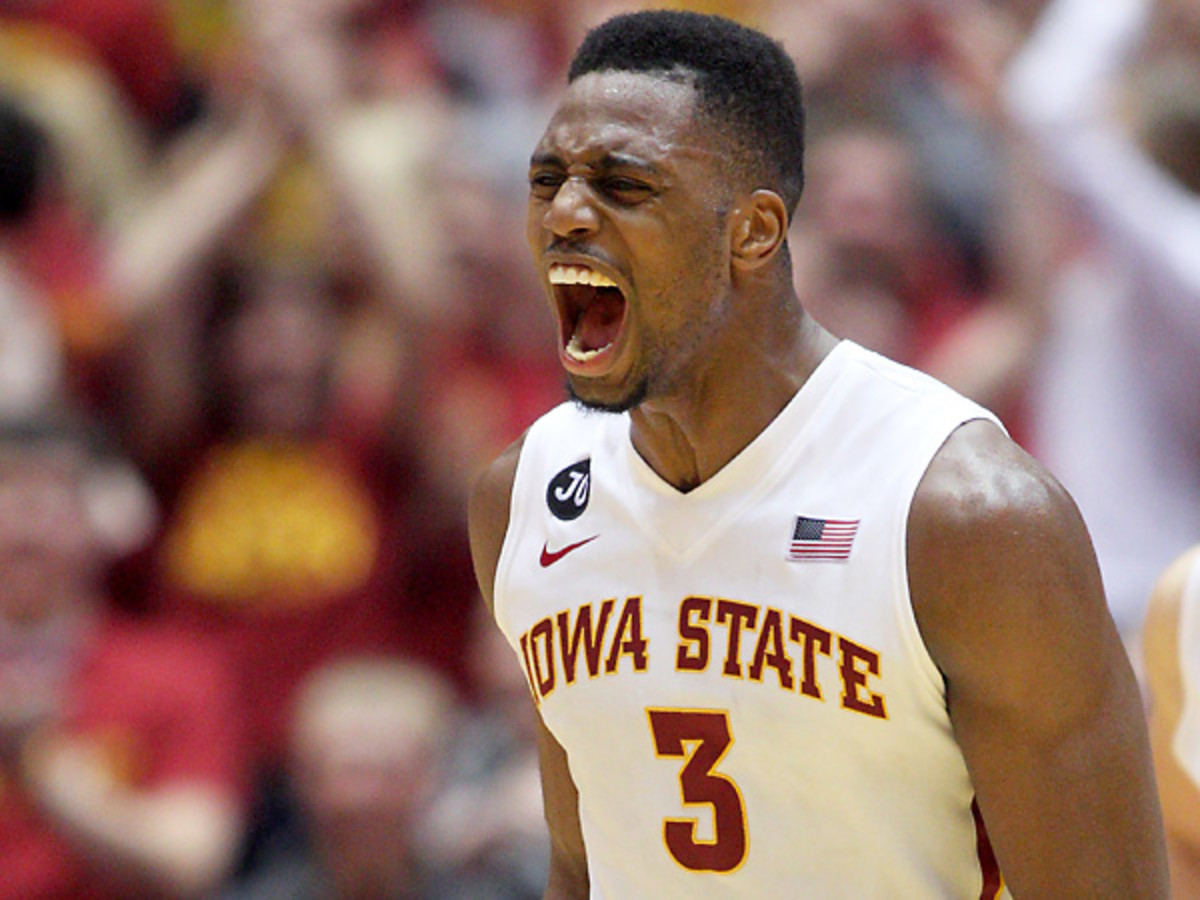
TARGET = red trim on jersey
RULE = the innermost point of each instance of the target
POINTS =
(993, 881)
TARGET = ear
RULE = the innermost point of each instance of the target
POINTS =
(759, 228)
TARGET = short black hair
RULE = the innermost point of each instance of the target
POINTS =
(745, 82)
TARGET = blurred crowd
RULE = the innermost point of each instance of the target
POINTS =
(266, 308)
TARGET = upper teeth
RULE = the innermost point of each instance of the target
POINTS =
(560, 274)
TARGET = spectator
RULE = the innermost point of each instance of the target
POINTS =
(119, 767)
(295, 529)
(877, 268)
(365, 750)
(879, 61)
(288, 534)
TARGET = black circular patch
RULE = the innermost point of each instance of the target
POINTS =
(568, 491)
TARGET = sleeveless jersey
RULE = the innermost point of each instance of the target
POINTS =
(735, 672)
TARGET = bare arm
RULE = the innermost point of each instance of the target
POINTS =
(1060, 90)
(1180, 793)
(568, 856)
(1041, 695)
(181, 839)
(488, 520)
(215, 175)
(487, 517)
(308, 62)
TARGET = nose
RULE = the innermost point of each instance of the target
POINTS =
(571, 213)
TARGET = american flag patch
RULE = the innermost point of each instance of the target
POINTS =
(822, 540)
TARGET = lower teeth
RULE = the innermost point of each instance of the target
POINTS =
(579, 354)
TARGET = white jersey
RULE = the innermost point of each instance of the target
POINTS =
(735, 673)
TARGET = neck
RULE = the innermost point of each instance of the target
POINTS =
(691, 434)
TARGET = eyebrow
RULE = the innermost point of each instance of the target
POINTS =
(545, 159)
(607, 163)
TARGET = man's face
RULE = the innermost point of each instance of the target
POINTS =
(363, 786)
(280, 349)
(627, 221)
(865, 195)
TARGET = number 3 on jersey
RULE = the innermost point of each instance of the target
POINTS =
(701, 737)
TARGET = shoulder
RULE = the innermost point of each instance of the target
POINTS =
(996, 548)
(980, 476)
(981, 487)
(488, 512)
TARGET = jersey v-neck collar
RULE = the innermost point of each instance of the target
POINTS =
(685, 523)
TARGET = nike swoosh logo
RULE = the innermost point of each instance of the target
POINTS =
(549, 557)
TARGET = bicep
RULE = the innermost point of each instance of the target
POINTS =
(1040, 693)
(488, 521)
(568, 858)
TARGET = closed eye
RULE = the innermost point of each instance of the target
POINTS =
(545, 184)
(624, 189)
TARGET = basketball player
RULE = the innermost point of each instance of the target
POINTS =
(799, 622)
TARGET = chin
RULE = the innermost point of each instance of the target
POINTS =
(619, 404)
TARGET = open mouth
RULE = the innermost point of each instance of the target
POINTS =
(591, 310)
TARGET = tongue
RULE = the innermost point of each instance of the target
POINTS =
(600, 323)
